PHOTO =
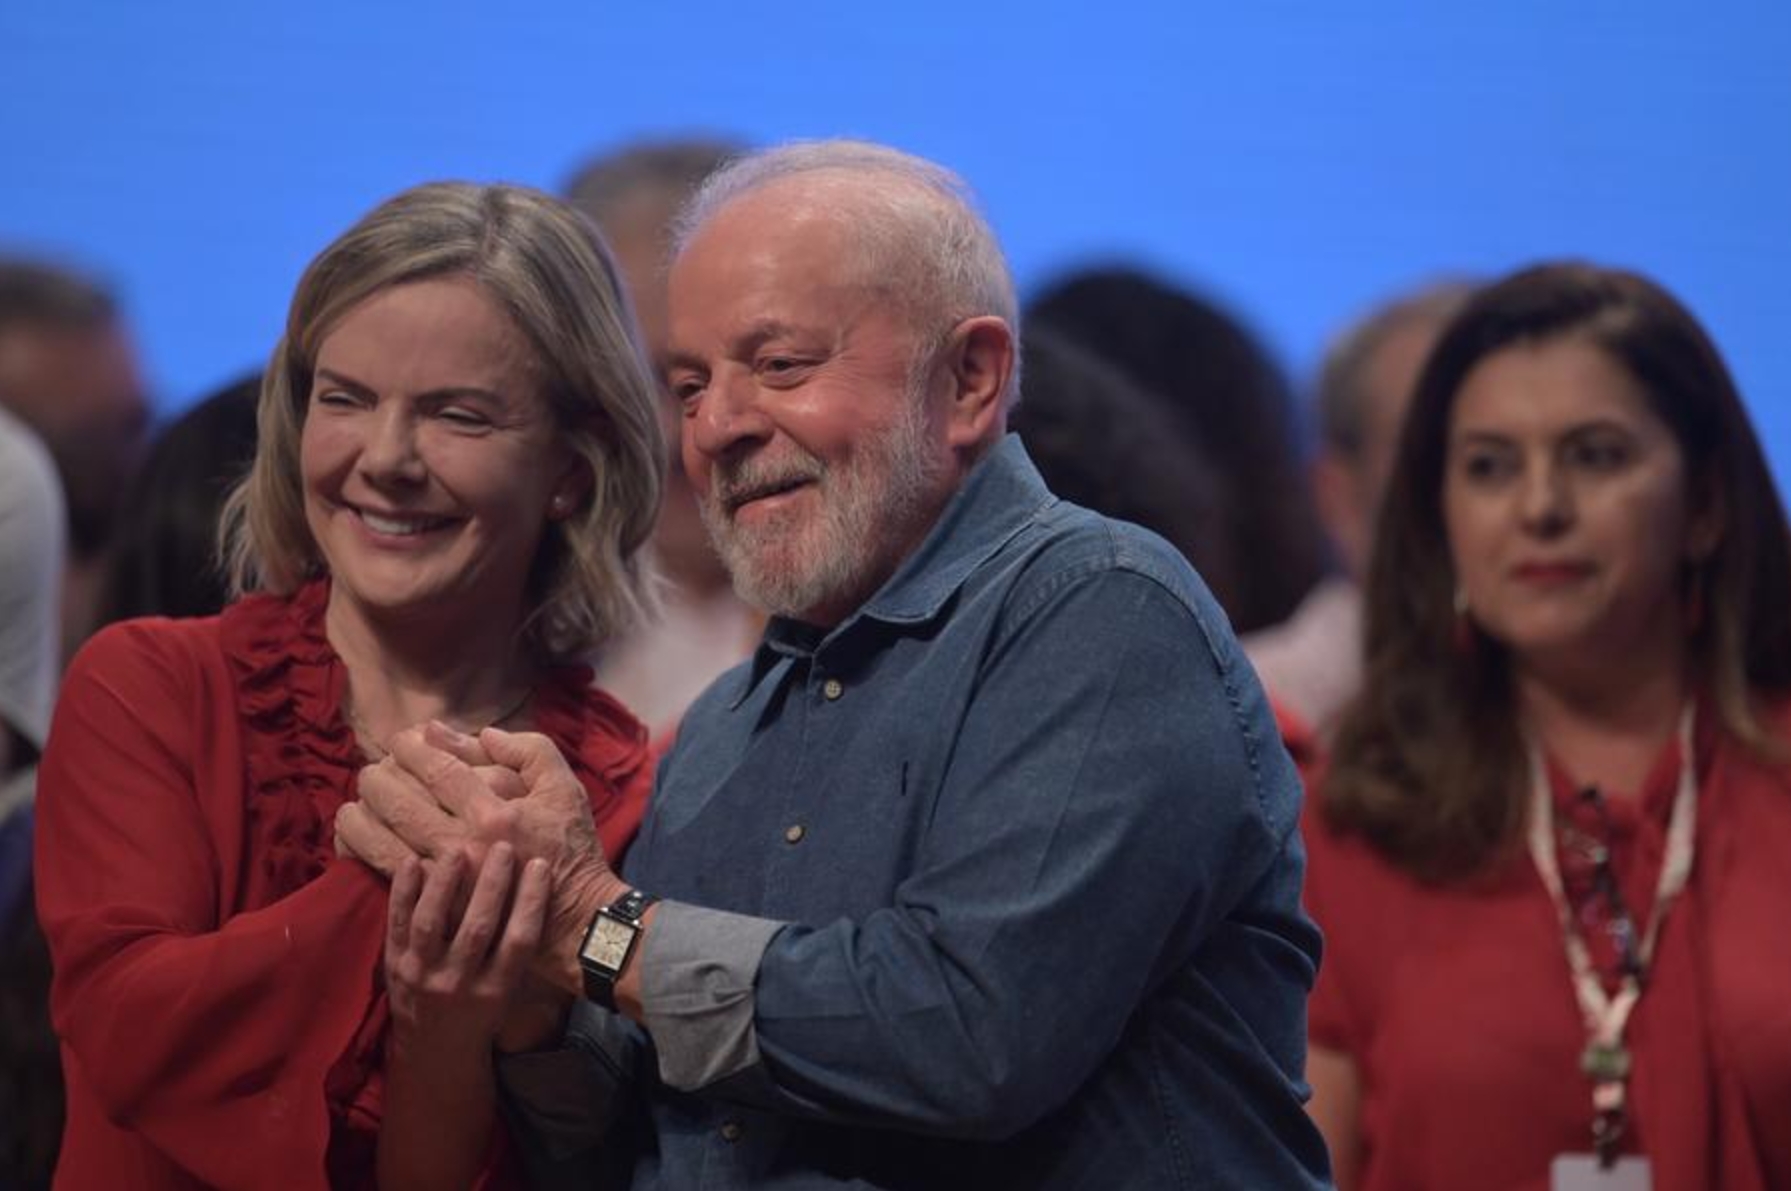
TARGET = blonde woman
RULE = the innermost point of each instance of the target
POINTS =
(459, 458)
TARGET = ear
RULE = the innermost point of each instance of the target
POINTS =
(1337, 494)
(572, 488)
(979, 361)
(1705, 528)
(1707, 517)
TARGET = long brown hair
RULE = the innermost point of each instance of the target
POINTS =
(1428, 760)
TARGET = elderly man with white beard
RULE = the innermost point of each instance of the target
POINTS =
(983, 871)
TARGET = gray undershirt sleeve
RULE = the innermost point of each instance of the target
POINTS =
(698, 969)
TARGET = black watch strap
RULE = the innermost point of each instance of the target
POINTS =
(630, 906)
(609, 942)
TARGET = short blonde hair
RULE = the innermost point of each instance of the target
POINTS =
(548, 268)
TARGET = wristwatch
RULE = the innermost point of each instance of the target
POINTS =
(608, 944)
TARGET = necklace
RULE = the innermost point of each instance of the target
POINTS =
(376, 749)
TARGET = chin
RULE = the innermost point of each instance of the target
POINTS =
(384, 594)
(1556, 642)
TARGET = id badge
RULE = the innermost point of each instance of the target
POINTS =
(1581, 1172)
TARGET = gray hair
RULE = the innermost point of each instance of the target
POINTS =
(1341, 399)
(662, 173)
(547, 267)
(919, 231)
(33, 291)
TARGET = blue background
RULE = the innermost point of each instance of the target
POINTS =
(1298, 160)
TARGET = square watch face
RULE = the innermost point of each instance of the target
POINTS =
(607, 944)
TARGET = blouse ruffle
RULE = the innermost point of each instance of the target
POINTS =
(302, 755)
(303, 761)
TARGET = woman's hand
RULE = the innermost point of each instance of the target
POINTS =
(1336, 1108)
(452, 975)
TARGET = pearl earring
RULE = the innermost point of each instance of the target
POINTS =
(1462, 636)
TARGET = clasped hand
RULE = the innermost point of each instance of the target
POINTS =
(507, 809)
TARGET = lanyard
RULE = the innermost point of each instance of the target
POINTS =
(1606, 1061)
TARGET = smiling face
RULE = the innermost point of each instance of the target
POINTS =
(429, 458)
(1566, 502)
(818, 458)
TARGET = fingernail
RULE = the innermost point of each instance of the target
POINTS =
(451, 732)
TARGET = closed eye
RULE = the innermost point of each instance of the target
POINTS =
(462, 418)
(336, 398)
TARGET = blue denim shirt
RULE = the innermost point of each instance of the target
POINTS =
(999, 886)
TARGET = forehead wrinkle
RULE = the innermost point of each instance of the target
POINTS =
(513, 364)
(841, 203)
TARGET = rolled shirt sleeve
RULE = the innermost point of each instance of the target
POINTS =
(1102, 813)
(698, 969)
(1010, 873)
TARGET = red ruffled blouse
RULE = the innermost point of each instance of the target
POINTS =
(217, 988)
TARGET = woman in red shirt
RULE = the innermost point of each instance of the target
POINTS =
(459, 457)
(1550, 854)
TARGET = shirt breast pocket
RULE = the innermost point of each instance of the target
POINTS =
(848, 842)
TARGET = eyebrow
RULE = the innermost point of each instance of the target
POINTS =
(451, 391)
(1591, 426)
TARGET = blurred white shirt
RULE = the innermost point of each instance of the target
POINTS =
(32, 542)
(1311, 663)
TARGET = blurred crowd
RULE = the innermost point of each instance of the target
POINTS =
(1356, 548)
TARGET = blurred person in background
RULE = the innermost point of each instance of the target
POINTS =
(1549, 853)
(1231, 402)
(1312, 661)
(68, 370)
(703, 628)
(32, 527)
(1100, 442)
(165, 562)
(459, 458)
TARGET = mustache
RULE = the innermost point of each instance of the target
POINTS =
(734, 483)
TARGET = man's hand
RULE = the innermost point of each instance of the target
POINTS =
(399, 817)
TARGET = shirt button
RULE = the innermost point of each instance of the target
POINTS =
(793, 834)
(732, 1131)
(833, 688)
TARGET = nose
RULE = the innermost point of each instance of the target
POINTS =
(390, 454)
(1547, 500)
(728, 417)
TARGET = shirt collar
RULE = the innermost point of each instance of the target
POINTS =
(1002, 495)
